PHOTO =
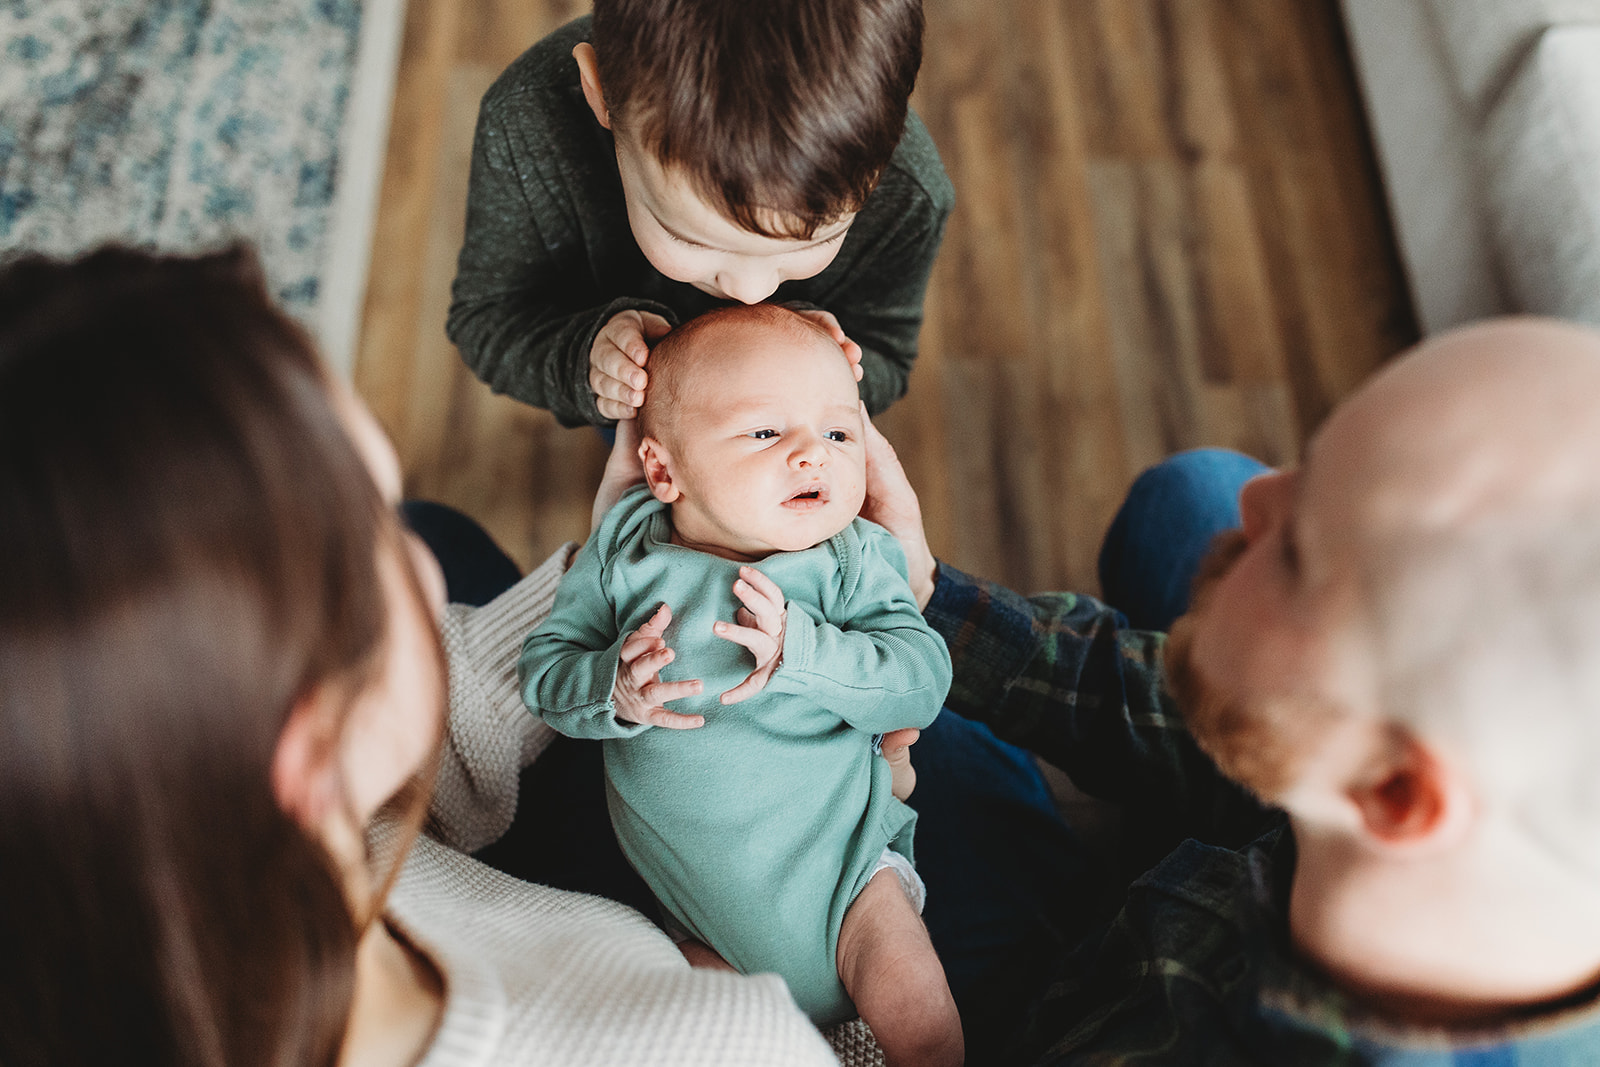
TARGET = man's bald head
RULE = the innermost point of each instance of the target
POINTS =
(1434, 565)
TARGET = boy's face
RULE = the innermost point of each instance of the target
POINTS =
(763, 450)
(686, 239)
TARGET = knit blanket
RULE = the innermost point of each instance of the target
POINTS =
(176, 124)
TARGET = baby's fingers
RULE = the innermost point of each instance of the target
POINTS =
(747, 688)
(760, 595)
(760, 643)
(657, 624)
(672, 720)
(647, 666)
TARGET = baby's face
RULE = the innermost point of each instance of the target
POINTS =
(765, 450)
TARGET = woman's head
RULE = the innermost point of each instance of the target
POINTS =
(195, 558)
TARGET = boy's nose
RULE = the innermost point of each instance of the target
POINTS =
(748, 286)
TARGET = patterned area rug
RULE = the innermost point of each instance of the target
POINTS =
(177, 124)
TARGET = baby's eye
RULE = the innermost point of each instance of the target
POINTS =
(837, 435)
(764, 435)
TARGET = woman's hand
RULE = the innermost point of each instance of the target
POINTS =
(624, 470)
(760, 628)
(639, 693)
(892, 504)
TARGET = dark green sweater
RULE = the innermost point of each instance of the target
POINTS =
(549, 256)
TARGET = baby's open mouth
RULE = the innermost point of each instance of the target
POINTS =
(815, 494)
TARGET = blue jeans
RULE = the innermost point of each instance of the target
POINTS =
(1010, 886)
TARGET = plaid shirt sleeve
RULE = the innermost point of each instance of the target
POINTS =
(1060, 674)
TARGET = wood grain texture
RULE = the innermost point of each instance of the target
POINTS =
(1169, 233)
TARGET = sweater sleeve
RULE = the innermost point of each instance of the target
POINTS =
(569, 664)
(877, 294)
(489, 735)
(881, 663)
(525, 306)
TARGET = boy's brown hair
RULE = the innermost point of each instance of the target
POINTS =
(782, 114)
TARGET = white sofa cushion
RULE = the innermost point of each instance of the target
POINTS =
(1485, 39)
(1541, 157)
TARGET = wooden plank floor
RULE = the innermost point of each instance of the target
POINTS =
(1168, 233)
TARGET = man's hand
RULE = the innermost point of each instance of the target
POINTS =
(892, 504)
(623, 471)
(760, 626)
(826, 320)
(616, 361)
(896, 750)
(639, 693)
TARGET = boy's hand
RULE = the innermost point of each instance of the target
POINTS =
(623, 471)
(760, 629)
(892, 504)
(825, 319)
(639, 692)
(896, 749)
(616, 361)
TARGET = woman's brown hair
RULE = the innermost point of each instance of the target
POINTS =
(187, 544)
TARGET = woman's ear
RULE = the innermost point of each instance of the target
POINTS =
(658, 470)
(304, 776)
(589, 79)
(1417, 800)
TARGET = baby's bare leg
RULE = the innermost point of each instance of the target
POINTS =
(889, 968)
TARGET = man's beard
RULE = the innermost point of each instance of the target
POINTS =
(1258, 744)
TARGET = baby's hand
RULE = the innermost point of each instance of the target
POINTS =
(616, 361)
(825, 319)
(639, 692)
(760, 629)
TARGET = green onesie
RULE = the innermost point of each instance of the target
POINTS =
(757, 830)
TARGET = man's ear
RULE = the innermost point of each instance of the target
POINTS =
(1417, 799)
(304, 777)
(658, 470)
(589, 78)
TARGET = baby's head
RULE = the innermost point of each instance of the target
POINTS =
(752, 432)
(748, 134)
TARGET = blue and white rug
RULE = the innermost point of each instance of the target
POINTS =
(182, 124)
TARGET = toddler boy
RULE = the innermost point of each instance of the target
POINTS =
(767, 830)
(697, 152)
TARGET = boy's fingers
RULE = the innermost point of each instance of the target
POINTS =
(611, 409)
(613, 362)
(653, 326)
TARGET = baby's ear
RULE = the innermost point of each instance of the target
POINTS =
(657, 463)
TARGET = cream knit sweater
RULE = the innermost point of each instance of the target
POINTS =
(539, 975)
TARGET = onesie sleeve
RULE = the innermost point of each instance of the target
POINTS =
(880, 663)
(489, 736)
(569, 664)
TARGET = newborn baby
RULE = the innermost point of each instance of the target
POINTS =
(757, 809)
